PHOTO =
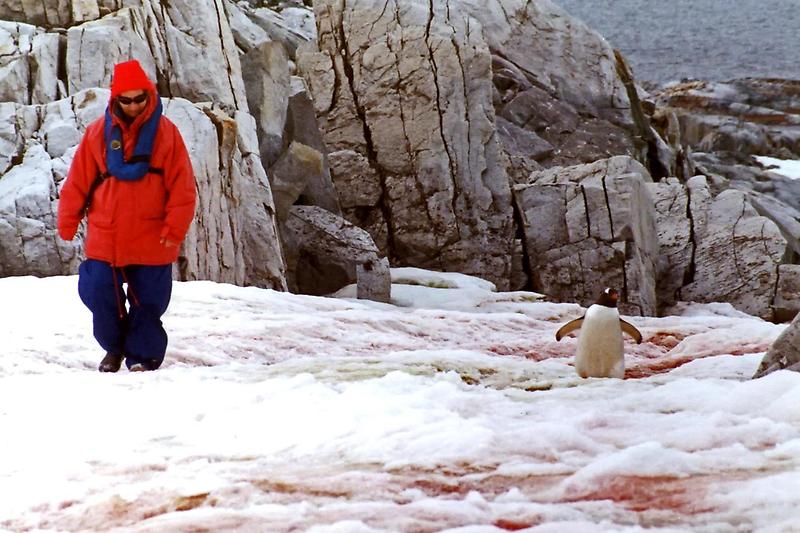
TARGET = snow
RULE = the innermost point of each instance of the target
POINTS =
(785, 167)
(451, 409)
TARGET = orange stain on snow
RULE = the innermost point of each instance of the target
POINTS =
(678, 497)
(513, 525)
(683, 496)
(653, 367)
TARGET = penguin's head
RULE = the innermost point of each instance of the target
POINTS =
(608, 298)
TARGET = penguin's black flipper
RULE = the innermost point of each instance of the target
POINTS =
(631, 330)
(570, 326)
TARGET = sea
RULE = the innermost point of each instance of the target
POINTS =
(715, 40)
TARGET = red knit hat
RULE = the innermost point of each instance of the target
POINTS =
(129, 76)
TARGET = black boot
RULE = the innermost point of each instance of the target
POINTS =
(110, 363)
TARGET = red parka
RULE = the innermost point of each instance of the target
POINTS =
(128, 220)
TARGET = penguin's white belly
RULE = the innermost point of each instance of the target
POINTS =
(600, 346)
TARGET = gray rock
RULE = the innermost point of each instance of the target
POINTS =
(266, 78)
(602, 233)
(325, 252)
(561, 80)
(264, 260)
(232, 189)
(786, 217)
(253, 25)
(246, 33)
(290, 142)
(188, 48)
(612, 166)
(410, 92)
(519, 275)
(29, 64)
(525, 143)
(773, 195)
(675, 237)
(301, 122)
(736, 256)
(30, 245)
(747, 117)
(374, 281)
(359, 189)
(355, 180)
(30, 174)
(292, 28)
(713, 248)
(167, 38)
(300, 171)
(787, 295)
(49, 13)
(93, 48)
(784, 353)
(716, 247)
(523, 148)
(234, 237)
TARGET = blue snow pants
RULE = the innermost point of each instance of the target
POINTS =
(135, 330)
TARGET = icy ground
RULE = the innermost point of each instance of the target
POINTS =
(457, 411)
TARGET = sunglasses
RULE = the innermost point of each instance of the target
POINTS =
(138, 99)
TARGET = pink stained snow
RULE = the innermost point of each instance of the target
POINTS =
(455, 411)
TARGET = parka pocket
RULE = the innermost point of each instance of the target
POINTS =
(100, 241)
(101, 218)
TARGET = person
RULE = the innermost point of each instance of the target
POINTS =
(133, 180)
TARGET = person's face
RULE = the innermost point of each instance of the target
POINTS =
(132, 103)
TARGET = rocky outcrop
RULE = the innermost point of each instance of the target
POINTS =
(745, 117)
(37, 147)
(569, 98)
(404, 90)
(235, 236)
(44, 139)
(675, 238)
(51, 13)
(716, 247)
(30, 245)
(736, 252)
(266, 77)
(301, 172)
(167, 38)
(29, 65)
(658, 243)
(290, 143)
(235, 215)
(325, 252)
(774, 196)
(292, 26)
(725, 124)
(234, 61)
(601, 232)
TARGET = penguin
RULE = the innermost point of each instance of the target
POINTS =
(600, 346)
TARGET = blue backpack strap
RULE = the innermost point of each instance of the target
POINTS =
(98, 180)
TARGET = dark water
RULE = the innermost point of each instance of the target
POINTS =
(666, 40)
